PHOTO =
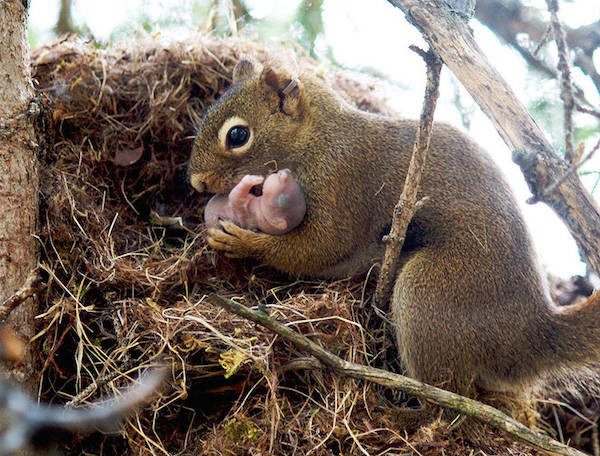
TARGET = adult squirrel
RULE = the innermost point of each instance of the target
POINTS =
(470, 305)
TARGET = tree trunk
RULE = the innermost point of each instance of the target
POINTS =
(64, 24)
(18, 171)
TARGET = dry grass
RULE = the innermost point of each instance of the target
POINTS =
(127, 267)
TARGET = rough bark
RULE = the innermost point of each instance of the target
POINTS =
(449, 35)
(18, 170)
(408, 203)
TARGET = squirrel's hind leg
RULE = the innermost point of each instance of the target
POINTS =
(441, 337)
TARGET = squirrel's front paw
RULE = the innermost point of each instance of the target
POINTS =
(234, 241)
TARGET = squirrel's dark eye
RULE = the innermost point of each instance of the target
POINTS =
(237, 136)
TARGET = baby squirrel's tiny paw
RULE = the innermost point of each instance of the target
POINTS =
(233, 241)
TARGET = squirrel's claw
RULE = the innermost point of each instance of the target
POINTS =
(233, 241)
(215, 240)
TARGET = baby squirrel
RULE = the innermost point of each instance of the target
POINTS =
(279, 209)
(470, 305)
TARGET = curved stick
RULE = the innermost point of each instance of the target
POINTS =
(470, 407)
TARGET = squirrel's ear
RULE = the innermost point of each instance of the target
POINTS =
(244, 69)
(287, 89)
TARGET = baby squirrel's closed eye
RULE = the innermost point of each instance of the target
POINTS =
(283, 200)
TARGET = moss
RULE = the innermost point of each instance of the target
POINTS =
(241, 429)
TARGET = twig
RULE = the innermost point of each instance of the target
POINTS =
(566, 86)
(408, 205)
(581, 103)
(91, 388)
(31, 286)
(26, 417)
(470, 407)
(543, 41)
(304, 364)
(590, 111)
(573, 168)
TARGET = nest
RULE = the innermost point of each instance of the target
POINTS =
(127, 268)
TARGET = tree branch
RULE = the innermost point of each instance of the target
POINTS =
(451, 37)
(26, 417)
(564, 70)
(28, 290)
(407, 205)
(464, 405)
(508, 18)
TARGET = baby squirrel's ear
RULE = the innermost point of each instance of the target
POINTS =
(286, 88)
(244, 69)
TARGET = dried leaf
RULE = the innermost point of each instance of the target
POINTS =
(164, 220)
(127, 157)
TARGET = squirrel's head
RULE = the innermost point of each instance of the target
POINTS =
(249, 130)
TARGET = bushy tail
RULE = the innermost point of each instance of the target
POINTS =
(576, 333)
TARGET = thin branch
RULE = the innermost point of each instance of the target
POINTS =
(566, 85)
(31, 287)
(543, 41)
(92, 387)
(408, 204)
(584, 61)
(509, 19)
(581, 103)
(586, 110)
(25, 416)
(464, 405)
(577, 164)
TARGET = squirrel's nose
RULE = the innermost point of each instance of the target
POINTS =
(197, 182)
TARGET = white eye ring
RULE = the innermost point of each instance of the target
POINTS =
(228, 125)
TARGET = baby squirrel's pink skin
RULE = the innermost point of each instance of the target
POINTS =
(279, 209)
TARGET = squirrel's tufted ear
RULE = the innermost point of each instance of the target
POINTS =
(286, 88)
(244, 69)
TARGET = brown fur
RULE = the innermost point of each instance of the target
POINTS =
(470, 305)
